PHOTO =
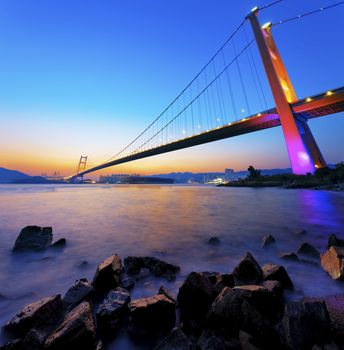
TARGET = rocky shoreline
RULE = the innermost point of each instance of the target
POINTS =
(247, 308)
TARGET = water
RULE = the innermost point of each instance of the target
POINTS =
(170, 222)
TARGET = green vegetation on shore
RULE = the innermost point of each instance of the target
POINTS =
(325, 178)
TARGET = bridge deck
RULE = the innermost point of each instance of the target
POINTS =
(311, 107)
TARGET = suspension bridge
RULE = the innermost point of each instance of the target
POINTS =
(229, 97)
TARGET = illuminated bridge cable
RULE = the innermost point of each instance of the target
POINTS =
(187, 86)
(269, 5)
(210, 84)
(229, 86)
(321, 9)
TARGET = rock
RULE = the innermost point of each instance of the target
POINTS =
(268, 240)
(83, 264)
(305, 323)
(334, 241)
(232, 311)
(222, 281)
(33, 238)
(3, 297)
(110, 311)
(210, 341)
(15, 344)
(268, 303)
(77, 330)
(301, 232)
(278, 273)
(309, 250)
(196, 295)
(214, 240)
(248, 271)
(127, 283)
(59, 243)
(176, 340)
(247, 342)
(159, 268)
(107, 275)
(34, 339)
(100, 345)
(289, 256)
(38, 314)
(330, 346)
(274, 287)
(151, 315)
(80, 291)
(333, 263)
(163, 290)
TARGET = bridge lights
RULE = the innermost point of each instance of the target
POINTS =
(266, 25)
(254, 9)
(329, 93)
(308, 99)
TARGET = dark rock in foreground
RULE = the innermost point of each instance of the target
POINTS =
(305, 323)
(289, 256)
(152, 315)
(80, 291)
(210, 341)
(77, 330)
(268, 240)
(157, 267)
(37, 314)
(176, 340)
(309, 250)
(15, 344)
(248, 271)
(334, 241)
(278, 273)
(108, 273)
(332, 262)
(113, 307)
(33, 238)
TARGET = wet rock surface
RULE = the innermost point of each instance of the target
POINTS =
(248, 271)
(59, 243)
(77, 330)
(175, 340)
(37, 314)
(278, 273)
(334, 241)
(113, 307)
(33, 238)
(81, 290)
(268, 240)
(214, 240)
(308, 250)
(332, 262)
(157, 267)
(107, 275)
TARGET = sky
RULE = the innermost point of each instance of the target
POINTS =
(86, 77)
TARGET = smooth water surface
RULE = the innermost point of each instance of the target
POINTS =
(170, 222)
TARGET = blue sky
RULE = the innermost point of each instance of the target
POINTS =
(85, 77)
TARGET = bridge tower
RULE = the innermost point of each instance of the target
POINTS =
(304, 154)
(81, 168)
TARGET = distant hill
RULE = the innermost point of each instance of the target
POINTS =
(9, 176)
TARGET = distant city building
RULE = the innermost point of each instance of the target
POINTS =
(229, 174)
(116, 178)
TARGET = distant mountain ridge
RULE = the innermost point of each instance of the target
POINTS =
(9, 176)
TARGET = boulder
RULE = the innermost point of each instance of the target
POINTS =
(210, 341)
(77, 330)
(157, 267)
(278, 273)
(80, 291)
(34, 339)
(176, 340)
(289, 256)
(59, 243)
(332, 262)
(305, 323)
(152, 315)
(107, 275)
(274, 287)
(268, 240)
(248, 271)
(335, 307)
(308, 250)
(41, 313)
(222, 281)
(334, 241)
(33, 238)
(113, 307)
(127, 283)
(15, 344)
(301, 232)
(214, 240)
(232, 311)
(196, 295)
(330, 346)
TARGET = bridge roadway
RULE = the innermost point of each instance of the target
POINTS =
(312, 107)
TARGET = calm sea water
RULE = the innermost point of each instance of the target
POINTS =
(170, 222)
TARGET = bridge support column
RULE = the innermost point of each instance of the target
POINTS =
(303, 151)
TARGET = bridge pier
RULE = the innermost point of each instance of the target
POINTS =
(304, 154)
